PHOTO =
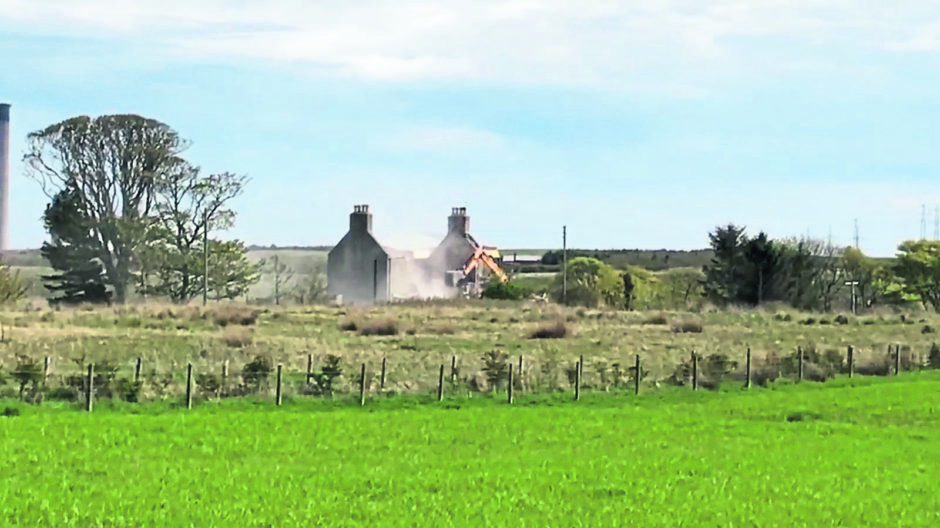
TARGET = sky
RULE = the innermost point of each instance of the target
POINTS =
(634, 124)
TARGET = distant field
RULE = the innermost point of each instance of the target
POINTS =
(302, 260)
(860, 453)
(426, 335)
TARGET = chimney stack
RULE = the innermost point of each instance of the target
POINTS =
(4, 176)
(458, 221)
(361, 219)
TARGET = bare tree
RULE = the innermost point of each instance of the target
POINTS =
(187, 206)
(311, 287)
(114, 162)
(812, 273)
(283, 275)
(831, 273)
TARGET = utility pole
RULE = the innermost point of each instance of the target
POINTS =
(205, 258)
(923, 222)
(856, 233)
(277, 282)
(853, 284)
(936, 223)
(564, 270)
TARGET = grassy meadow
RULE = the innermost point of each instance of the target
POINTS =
(416, 339)
(859, 452)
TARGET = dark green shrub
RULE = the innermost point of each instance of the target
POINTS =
(321, 383)
(933, 357)
(556, 330)
(128, 389)
(833, 360)
(256, 373)
(385, 327)
(764, 375)
(571, 373)
(717, 366)
(506, 291)
(63, 393)
(874, 367)
(682, 374)
(841, 320)
(927, 329)
(349, 326)
(105, 372)
(496, 367)
(210, 385)
(28, 375)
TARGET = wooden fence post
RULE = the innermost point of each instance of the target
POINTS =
(382, 385)
(520, 375)
(577, 381)
(453, 369)
(897, 359)
(277, 390)
(440, 385)
(224, 374)
(137, 369)
(45, 369)
(851, 360)
(510, 384)
(799, 351)
(189, 386)
(309, 367)
(747, 381)
(636, 381)
(694, 371)
(90, 388)
(362, 385)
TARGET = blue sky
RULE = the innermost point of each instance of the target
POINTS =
(636, 126)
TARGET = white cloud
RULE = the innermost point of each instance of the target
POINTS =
(924, 38)
(636, 45)
(445, 139)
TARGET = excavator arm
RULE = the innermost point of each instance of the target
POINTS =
(480, 256)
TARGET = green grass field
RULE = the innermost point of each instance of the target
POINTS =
(862, 452)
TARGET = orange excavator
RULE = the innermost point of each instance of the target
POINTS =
(479, 257)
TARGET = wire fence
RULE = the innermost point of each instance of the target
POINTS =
(496, 375)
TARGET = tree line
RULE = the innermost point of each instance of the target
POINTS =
(128, 213)
(807, 274)
(811, 274)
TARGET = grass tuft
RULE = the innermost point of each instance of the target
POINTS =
(656, 319)
(381, 327)
(557, 330)
(233, 314)
(237, 336)
(688, 327)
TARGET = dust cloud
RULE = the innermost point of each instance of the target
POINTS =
(413, 274)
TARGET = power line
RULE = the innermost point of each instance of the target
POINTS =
(936, 223)
(923, 222)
